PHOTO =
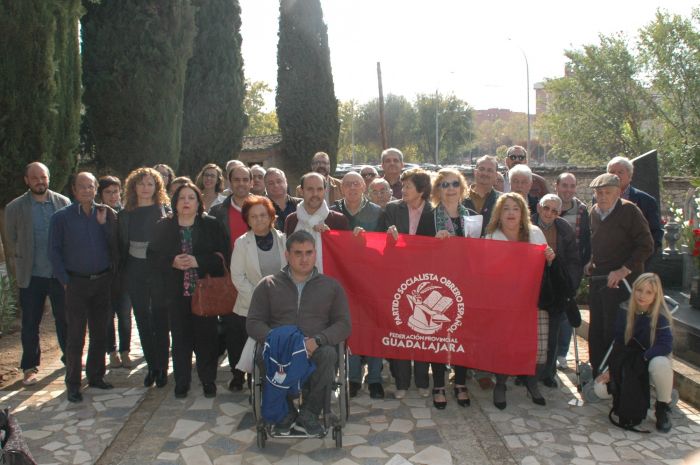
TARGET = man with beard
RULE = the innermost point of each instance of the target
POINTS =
(321, 164)
(27, 225)
(313, 215)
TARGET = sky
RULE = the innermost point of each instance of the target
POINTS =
(474, 50)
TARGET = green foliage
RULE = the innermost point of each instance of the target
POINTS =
(409, 126)
(669, 49)
(39, 90)
(214, 119)
(8, 303)
(598, 111)
(492, 134)
(307, 108)
(260, 123)
(135, 56)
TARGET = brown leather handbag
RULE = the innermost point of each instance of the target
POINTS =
(214, 296)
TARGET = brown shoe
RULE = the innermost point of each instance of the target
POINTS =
(30, 377)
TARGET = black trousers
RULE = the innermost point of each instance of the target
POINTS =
(236, 336)
(401, 370)
(604, 304)
(87, 303)
(151, 319)
(192, 333)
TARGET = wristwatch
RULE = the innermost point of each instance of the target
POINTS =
(318, 340)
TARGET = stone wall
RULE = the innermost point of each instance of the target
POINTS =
(673, 189)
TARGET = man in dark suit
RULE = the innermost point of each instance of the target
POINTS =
(624, 169)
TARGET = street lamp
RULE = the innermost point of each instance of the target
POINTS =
(527, 84)
(437, 132)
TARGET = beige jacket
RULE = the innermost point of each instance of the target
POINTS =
(245, 267)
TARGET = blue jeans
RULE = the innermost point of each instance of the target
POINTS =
(565, 333)
(121, 308)
(32, 300)
(374, 369)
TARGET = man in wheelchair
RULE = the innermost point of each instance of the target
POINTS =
(299, 295)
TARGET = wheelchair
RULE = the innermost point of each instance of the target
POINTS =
(337, 396)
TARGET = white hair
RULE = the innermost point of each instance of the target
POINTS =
(550, 197)
(624, 161)
(523, 170)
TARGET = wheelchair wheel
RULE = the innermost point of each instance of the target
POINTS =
(261, 438)
(338, 436)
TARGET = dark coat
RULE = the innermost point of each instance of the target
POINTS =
(650, 208)
(486, 210)
(208, 238)
(396, 213)
(220, 212)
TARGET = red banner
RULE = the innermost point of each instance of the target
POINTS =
(466, 302)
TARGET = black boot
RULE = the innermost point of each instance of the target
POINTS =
(663, 421)
(532, 388)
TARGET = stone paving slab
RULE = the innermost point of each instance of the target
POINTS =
(200, 431)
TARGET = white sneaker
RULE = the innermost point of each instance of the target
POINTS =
(424, 392)
(561, 363)
(400, 393)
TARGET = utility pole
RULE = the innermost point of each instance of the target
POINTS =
(382, 124)
(437, 131)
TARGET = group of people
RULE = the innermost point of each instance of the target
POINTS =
(144, 246)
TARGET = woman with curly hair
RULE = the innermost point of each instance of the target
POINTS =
(510, 221)
(210, 182)
(145, 204)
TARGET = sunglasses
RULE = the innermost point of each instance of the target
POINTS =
(368, 175)
(517, 157)
(445, 184)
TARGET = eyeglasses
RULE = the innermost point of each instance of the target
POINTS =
(352, 183)
(379, 192)
(445, 184)
(517, 157)
(258, 176)
(548, 209)
(368, 175)
(210, 175)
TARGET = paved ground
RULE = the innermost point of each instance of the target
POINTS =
(133, 425)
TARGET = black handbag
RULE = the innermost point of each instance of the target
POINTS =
(13, 448)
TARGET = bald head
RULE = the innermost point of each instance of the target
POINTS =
(36, 177)
(353, 187)
(84, 187)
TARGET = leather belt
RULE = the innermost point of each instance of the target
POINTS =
(91, 277)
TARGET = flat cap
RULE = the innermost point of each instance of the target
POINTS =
(605, 180)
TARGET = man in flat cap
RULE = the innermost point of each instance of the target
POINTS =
(620, 244)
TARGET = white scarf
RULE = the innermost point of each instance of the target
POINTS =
(306, 222)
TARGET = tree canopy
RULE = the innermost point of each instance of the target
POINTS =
(307, 108)
(214, 118)
(135, 55)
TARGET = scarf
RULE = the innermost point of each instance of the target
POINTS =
(306, 222)
(443, 220)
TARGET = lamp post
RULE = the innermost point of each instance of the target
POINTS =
(527, 84)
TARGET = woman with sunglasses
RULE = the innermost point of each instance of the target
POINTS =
(451, 219)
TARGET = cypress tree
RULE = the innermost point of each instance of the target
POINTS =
(306, 105)
(135, 56)
(214, 118)
(39, 90)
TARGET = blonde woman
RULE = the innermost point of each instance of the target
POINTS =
(647, 323)
(145, 204)
(510, 221)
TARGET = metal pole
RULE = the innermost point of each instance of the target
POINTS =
(527, 85)
(437, 131)
(352, 130)
(382, 124)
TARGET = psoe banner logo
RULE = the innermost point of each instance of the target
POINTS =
(431, 303)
